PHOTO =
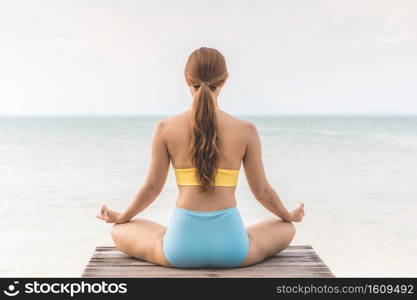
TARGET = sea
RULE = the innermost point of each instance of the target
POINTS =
(357, 176)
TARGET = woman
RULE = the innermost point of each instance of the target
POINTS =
(206, 147)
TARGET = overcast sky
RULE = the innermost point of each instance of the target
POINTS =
(284, 57)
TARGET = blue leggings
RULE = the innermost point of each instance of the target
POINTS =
(200, 239)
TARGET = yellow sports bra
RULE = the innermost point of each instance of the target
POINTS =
(224, 177)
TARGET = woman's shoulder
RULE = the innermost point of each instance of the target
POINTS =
(236, 119)
(173, 125)
(242, 123)
(228, 119)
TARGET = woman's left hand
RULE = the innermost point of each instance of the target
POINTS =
(109, 216)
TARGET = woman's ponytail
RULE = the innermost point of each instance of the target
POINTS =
(205, 71)
(205, 141)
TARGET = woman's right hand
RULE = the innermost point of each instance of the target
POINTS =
(297, 214)
(110, 216)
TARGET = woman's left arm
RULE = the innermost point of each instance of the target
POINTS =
(155, 181)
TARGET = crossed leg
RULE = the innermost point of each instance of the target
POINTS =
(142, 238)
(267, 238)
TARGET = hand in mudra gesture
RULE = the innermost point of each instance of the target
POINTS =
(109, 216)
(298, 213)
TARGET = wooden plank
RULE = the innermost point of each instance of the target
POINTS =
(295, 261)
(290, 248)
(133, 263)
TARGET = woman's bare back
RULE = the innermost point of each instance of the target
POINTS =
(233, 137)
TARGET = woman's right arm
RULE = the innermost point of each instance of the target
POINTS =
(258, 183)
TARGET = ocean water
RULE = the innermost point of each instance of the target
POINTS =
(356, 175)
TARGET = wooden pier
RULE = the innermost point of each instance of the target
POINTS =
(295, 261)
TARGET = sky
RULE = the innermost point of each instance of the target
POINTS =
(284, 57)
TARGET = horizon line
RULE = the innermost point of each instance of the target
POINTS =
(254, 115)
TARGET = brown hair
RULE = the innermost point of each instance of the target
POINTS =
(205, 70)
